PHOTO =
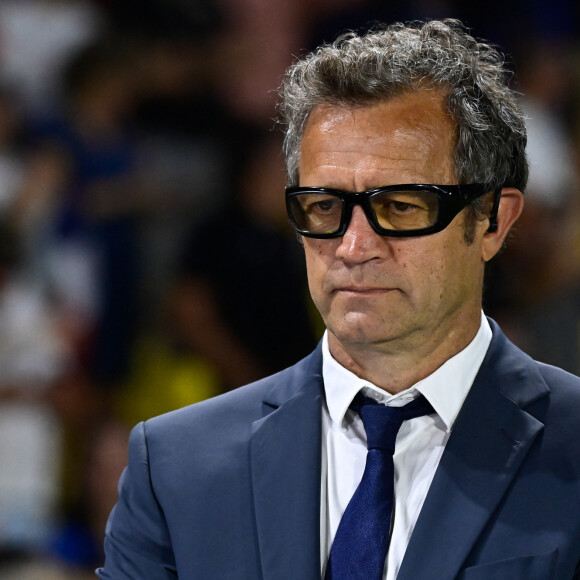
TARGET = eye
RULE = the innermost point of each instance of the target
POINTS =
(405, 210)
(403, 207)
(320, 204)
(317, 212)
(325, 205)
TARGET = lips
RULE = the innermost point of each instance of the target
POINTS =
(363, 290)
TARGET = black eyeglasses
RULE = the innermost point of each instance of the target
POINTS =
(394, 210)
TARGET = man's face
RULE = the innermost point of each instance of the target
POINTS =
(386, 293)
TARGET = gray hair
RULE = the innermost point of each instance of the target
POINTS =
(360, 70)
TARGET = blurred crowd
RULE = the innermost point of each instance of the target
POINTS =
(145, 258)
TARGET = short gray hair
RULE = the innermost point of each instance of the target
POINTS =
(360, 70)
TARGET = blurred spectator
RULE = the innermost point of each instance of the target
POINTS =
(96, 257)
(186, 150)
(78, 543)
(252, 50)
(241, 298)
(33, 357)
(12, 167)
(164, 18)
(174, 39)
(30, 183)
(165, 375)
(38, 37)
(18, 566)
(533, 287)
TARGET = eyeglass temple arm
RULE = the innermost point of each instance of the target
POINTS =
(494, 210)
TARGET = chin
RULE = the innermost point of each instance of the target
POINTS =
(361, 331)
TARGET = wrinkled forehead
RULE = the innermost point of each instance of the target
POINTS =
(412, 135)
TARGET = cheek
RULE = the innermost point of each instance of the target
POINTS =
(316, 264)
(431, 271)
(455, 275)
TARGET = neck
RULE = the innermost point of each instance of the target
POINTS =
(395, 366)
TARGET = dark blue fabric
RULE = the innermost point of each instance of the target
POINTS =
(360, 545)
(230, 488)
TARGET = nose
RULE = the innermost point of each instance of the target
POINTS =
(360, 242)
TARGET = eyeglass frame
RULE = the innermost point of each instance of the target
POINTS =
(452, 199)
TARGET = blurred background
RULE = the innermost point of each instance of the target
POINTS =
(145, 258)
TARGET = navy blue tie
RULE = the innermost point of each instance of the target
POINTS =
(360, 546)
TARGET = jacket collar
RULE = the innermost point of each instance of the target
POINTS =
(490, 439)
(285, 459)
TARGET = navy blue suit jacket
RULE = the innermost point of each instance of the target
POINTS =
(230, 488)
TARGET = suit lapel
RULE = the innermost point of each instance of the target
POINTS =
(491, 437)
(285, 457)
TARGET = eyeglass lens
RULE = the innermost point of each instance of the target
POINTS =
(321, 213)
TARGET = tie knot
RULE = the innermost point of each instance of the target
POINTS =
(382, 423)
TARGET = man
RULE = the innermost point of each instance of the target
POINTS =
(381, 129)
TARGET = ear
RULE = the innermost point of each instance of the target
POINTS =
(510, 207)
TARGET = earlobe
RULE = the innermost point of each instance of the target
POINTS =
(510, 207)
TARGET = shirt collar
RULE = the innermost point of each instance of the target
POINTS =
(445, 389)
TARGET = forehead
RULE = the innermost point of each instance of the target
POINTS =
(408, 139)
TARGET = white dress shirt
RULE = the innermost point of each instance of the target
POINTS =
(419, 445)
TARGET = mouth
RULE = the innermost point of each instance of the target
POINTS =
(363, 291)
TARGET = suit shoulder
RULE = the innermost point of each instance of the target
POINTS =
(243, 403)
(241, 406)
(559, 380)
(560, 411)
